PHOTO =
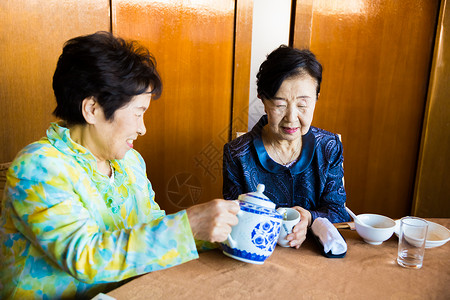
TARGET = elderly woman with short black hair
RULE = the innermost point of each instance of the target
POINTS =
(300, 165)
(79, 212)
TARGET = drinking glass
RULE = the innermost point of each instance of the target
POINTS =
(411, 242)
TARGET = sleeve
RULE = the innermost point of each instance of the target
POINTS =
(232, 186)
(47, 210)
(156, 212)
(203, 246)
(333, 196)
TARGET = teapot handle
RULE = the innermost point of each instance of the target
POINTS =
(231, 242)
(230, 239)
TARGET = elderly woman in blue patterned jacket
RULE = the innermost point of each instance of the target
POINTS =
(79, 213)
(300, 165)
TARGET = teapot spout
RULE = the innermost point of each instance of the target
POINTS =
(281, 210)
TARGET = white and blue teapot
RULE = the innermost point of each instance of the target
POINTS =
(254, 238)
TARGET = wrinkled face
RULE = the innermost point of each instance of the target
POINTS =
(291, 111)
(115, 137)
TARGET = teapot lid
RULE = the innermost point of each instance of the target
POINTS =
(258, 197)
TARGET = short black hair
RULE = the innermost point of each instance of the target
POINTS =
(283, 63)
(105, 67)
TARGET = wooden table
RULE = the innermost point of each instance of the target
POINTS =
(366, 272)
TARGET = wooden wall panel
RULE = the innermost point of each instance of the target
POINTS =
(376, 57)
(242, 61)
(188, 126)
(432, 193)
(32, 34)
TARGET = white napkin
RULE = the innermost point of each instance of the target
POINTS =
(329, 236)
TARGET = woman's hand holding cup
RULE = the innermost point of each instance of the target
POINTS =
(300, 220)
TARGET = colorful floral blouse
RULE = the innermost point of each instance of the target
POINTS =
(66, 231)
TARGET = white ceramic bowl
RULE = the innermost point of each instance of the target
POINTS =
(381, 228)
(437, 234)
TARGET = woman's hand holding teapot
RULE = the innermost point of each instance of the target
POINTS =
(212, 221)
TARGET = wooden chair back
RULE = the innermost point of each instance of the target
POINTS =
(3, 168)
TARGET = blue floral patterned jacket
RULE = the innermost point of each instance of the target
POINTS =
(314, 182)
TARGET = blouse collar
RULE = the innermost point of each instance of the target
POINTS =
(306, 155)
(59, 136)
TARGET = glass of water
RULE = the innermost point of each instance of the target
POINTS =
(411, 242)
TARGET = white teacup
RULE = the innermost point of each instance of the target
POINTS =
(290, 218)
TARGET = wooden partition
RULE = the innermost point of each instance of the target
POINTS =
(32, 34)
(376, 57)
(242, 61)
(202, 49)
(432, 193)
(188, 126)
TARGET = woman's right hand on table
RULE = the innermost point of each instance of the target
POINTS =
(212, 221)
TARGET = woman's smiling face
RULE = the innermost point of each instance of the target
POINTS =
(291, 110)
(115, 137)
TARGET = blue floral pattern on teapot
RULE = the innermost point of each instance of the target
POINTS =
(263, 235)
(254, 238)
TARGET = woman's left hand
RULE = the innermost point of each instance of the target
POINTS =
(298, 235)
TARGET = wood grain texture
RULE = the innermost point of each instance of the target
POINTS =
(242, 61)
(376, 58)
(32, 34)
(188, 126)
(303, 24)
(432, 193)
